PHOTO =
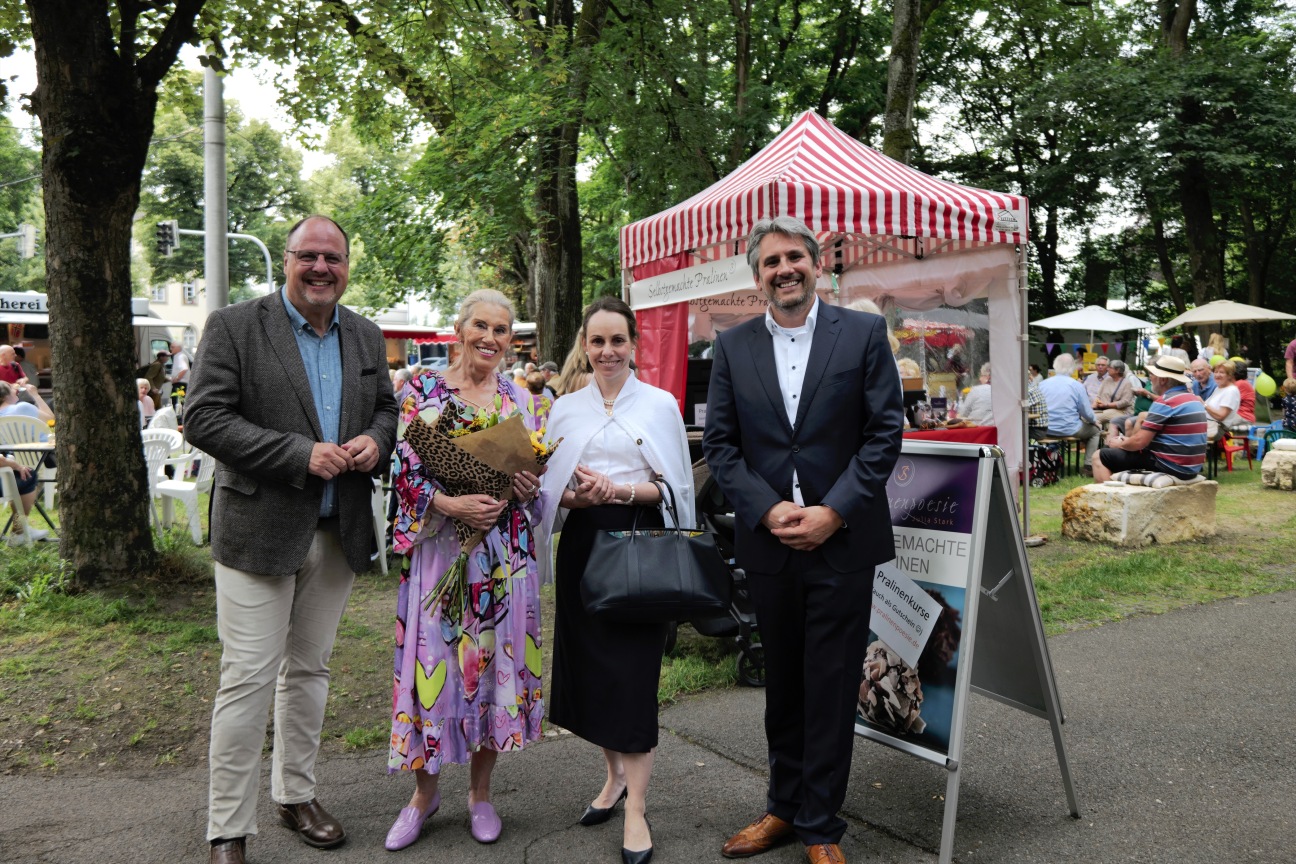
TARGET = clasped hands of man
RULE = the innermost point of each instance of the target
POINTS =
(802, 528)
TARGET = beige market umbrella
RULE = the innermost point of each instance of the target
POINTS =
(1226, 312)
(1094, 318)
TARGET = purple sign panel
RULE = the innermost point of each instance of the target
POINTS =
(907, 690)
(933, 492)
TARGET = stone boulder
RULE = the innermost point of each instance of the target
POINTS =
(1278, 470)
(1137, 515)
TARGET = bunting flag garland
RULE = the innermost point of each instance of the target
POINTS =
(1104, 347)
(1119, 347)
(1048, 347)
(1075, 346)
(1089, 348)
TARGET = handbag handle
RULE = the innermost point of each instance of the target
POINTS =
(662, 489)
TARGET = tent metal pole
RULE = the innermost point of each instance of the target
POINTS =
(1024, 372)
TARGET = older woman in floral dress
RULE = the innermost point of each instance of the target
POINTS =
(467, 675)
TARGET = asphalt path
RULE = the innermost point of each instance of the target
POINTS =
(1178, 728)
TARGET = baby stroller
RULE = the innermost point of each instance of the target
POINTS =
(740, 624)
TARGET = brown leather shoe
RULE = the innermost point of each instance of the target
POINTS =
(229, 851)
(825, 853)
(760, 836)
(313, 824)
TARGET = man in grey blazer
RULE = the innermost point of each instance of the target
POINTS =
(804, 421)
(292, 398)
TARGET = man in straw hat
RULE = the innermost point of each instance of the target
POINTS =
(1172, 437)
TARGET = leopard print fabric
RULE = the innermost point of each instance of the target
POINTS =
(459, 472)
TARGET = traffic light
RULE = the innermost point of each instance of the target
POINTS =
(168, 237)
(26, 241)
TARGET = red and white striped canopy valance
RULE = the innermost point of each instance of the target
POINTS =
(838, 186)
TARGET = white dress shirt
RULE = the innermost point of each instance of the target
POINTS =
(791, 354)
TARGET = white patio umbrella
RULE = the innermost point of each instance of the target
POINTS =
(1094, 318)
(1227, 312)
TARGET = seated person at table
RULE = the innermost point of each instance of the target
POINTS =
(1036, 412)
(1143, 399)
(1070, 412)
(1222, 406)
(1172, 437)
(1094, 381)
(1203, 379)
(1246, 404)
(11, 407)
(1115, 394)
(976, 406)
(146, 407)
(26, 478)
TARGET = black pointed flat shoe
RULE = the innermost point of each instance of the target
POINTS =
(643, 856)
(598, 815)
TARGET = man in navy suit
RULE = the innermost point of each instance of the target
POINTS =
(804, 421)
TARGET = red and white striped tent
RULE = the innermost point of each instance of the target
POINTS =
(888, 232)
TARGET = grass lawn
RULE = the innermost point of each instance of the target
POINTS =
(122, 676)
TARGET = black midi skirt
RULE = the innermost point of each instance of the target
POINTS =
(605, 673)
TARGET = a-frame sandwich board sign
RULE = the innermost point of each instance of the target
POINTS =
(955, 611)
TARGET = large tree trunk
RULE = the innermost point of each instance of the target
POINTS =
(1192, 179)
(1046, 252)
(559, 297)
(95, 101)
(1163, 258)
(909, 17)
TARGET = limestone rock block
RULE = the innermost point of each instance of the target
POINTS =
(1137, 516)
(1278, 471)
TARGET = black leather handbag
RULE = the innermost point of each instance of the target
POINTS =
(655, 575)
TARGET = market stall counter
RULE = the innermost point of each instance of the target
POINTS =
(959, 434)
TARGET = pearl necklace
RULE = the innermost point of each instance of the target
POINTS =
(607, 405)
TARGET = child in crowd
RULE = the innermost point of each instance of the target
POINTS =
(1289, 403)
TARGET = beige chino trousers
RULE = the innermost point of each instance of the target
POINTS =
(277, 634)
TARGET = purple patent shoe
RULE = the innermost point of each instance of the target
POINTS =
(485, 822)
(405, 830)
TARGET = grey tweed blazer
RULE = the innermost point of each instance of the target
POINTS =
(251, 408)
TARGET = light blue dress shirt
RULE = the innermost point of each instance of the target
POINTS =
(1068, 404)
(322, 357)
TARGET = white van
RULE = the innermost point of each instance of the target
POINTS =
(25, 316)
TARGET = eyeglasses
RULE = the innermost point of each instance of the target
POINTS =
(309, 258)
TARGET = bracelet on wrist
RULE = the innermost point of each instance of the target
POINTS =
(630, 501)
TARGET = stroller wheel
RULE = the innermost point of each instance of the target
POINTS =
(672, 633)
(751, 666)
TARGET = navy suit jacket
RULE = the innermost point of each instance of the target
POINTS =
(843, 445)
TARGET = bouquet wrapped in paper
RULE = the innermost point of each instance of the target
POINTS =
(482, 460)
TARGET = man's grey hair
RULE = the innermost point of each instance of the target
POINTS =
(1063, 363)
(786, 225)
(1117, 366)
(985, 370)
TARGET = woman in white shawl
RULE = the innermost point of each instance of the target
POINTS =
(619, 435)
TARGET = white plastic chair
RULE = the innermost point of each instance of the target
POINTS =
(187, 492)
(29, 430)
(9, 495)
(157, 451)
(378, 503)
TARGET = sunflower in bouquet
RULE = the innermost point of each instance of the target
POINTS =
(480, 458)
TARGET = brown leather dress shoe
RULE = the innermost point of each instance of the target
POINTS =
(229, 851)
(760, 836)
(825, 853)
(313, 824)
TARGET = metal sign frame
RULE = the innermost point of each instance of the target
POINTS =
(1002, 651)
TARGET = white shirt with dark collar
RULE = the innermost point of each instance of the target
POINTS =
(791, 354)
